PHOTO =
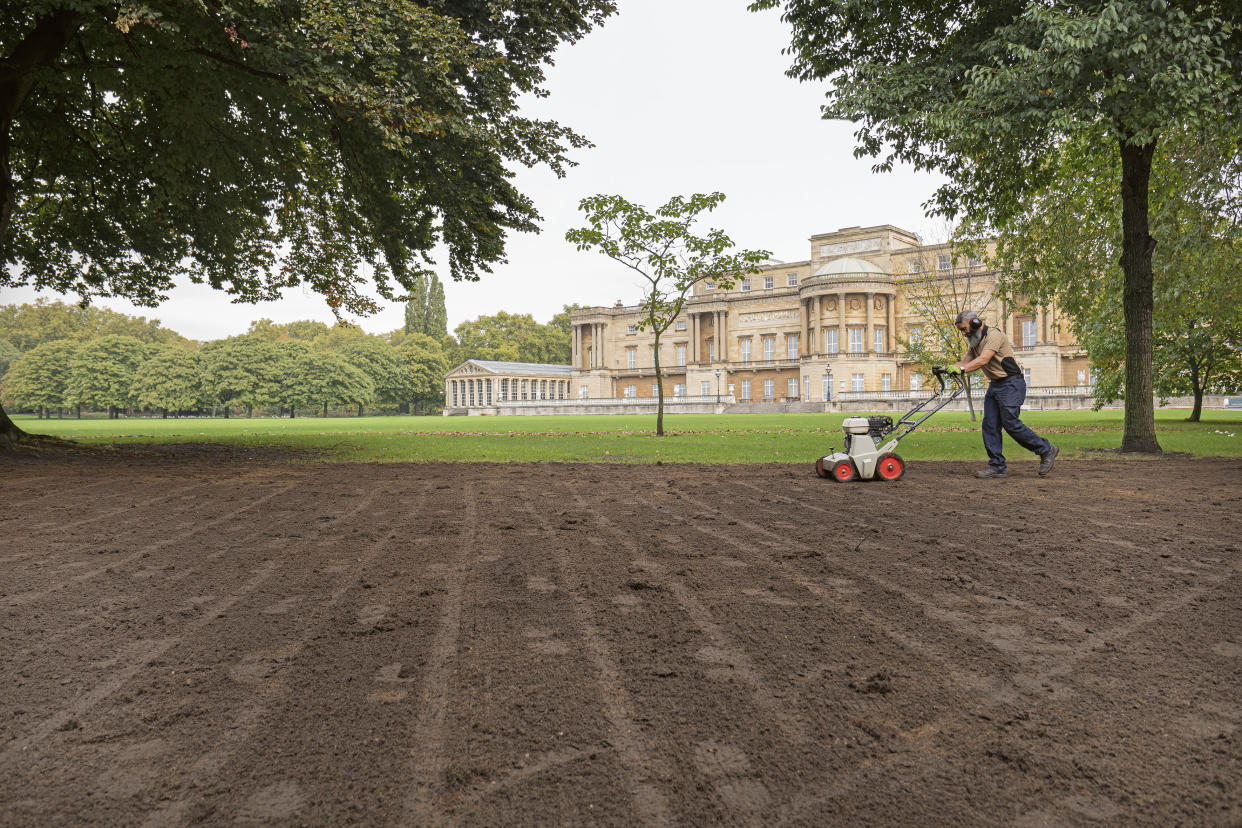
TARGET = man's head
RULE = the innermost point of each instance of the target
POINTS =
(971, 326)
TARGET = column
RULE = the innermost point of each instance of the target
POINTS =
(869, 333)
(694, 338)
(576, 362)
(891, 306)
(723, 347)
(1039, 326)
(803, 323)
(842, 339)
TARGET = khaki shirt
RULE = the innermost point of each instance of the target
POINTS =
(996, 368)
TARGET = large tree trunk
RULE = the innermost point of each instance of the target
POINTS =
(1139, 432)
(9, 432)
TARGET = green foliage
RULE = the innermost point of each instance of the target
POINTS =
(321, 378)
(425, 364)
(339, 336)
(172, 380)
(26, 326)
(102, 372)
(8, 353)
(331, 134)
(384, 368)
(660, 248)
(40, 377)
(425, 312)
(511, 337)
(302, 330)
(243, 371)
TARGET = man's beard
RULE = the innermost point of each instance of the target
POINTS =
(975, 337)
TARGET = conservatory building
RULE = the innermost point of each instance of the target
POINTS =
(481, 383)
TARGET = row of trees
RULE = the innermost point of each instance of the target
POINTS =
(246, 372)
(69, 358)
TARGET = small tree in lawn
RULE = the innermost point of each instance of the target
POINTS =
(39, 378)
(172, 379)
(660, 247)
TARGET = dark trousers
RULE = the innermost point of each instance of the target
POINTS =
(1002, 409)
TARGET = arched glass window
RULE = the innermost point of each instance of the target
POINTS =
(488, 384)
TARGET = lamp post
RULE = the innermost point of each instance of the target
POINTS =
(717, 386)
(827, 383)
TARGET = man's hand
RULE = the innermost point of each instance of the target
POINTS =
(952, 369)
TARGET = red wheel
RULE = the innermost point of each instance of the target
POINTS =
(820, 470)
(844, 471)
(890, 467)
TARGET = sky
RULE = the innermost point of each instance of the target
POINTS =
(678, 97)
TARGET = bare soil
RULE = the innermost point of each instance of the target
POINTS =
(209, 639)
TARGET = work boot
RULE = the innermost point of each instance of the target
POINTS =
(1045, 460)
(991, 472)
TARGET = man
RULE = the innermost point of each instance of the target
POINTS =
(991, 351)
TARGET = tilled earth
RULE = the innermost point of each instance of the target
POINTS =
(212, 640)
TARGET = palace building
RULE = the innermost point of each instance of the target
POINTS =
(812, 330)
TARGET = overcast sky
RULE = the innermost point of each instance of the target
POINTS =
(678, 96)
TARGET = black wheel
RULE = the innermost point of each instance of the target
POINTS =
(890, 467)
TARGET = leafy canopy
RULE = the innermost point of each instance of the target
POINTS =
(256, 146)
(986, 92)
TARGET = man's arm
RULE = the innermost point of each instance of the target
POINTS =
(976, 363)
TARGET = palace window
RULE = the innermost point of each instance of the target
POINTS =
(857, 383)
(1028, 332)
(582, 392)
(886, 382)
(912, 266)
(679, 390)
(711, 351)
(705, 388)
(681, 354)
(916, 382)
(768, 282)
(470, 384)
(631, 392)
(769, 389)
(746, 389)
(681, 324)
(745, 350)
(856, 340)
(831, 345)
(916, 335)
(769, 348)
(630, 329)
(453, 387)
(879, 340)
(746, 284)
(791, 346)
(631, 358)
(710, 284)
(791, 279)
(944, 262)
(974, 261)
(655, 390)
(1082, 377)
(1026, 375)
(791, 387)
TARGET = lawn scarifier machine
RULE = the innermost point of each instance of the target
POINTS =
(865, 457)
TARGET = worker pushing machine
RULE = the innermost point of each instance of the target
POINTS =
(990, 350)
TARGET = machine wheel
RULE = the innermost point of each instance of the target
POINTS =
(844, 471)
(820, 470)
(890, 467)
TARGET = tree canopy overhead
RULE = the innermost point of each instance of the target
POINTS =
(989, 94)
(255, 146)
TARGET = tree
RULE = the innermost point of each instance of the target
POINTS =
(661, 249)
(244, 371)
(383, 366)
(171, 379)
(989, 94)
(426, 364)
(290, 350)
(320, 378)
(39, 378)
(102, 373)
(508, 337)
(937, 295)
(303, 330)
(258, 146)
(42, 321)
(1064, 244)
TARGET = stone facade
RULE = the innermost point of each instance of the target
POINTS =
(834, 319)
(477, 385)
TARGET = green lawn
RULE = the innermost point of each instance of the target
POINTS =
(691, 438)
